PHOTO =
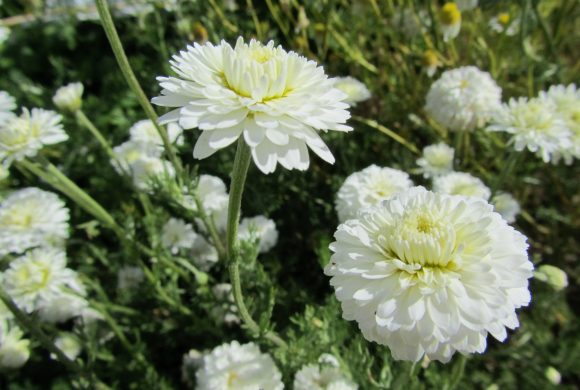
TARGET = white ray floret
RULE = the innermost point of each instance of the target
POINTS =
(461, 183)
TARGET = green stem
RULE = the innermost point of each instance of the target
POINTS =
(86, 122)
(209, 224)
(511, 162)
(116, 45)
(239, 173)
(383, 129)
(457, 372)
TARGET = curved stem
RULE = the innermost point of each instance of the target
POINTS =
(86, 122)
(116, 45)
(239, 173)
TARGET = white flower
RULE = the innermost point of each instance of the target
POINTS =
(355, 90)
(466, 5)
(409, 23)
(25, 135)
(430, 62)
(436, 160)
(368, 187)
(32, 217)
(129, 277)
(506, 205)
(38, 277)
(14, 350)
(145, 131)
(69, 344)
(225, 309)
(213, 196)
(450, 20)
(67, 304)
(461, 183)
(328, 359)
(535, 125)
(176, 234)
(502, 23)
(69, 98)
(276, 99)
(312, 377)
(126, 154)
(263, 228)
(554, 276)
(463, 99)
(146, 169)
(566, 100)
(203, 254)
(239, 367)
(429, 274)
(7, 105)
(190, 363)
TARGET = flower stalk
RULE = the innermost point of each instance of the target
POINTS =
(86, 122)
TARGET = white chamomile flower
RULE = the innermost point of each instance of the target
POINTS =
(430, 274)
(461, 183)
(436, 160)
(355, 90)
(369, 187)
(145, 131)
(69, 98)
(37, 277)
(126, 154)
(176, 234)
(276, 100)
(431, 62)
(506, 205)
(238, 367)
(148, 169)
(263, 228)
(313, 377)
(129, 277)
(225, 309)
(69, 344)
(25, 135)
(463, 99)
(203, 254)
(450, 21)
(14, 350)
(534, 125)
(7, 105)
(502, 23)
(32, 217)
(566, 99)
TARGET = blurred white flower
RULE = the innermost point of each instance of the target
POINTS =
(430, 274)
(409, 23)
(225, 309)
(129, 277)
(535, 125)
(553, 376)
(313, 377)
(436, 160)
(263, 228)
(503, 23)
(69, 98)
(32, 217)
(190, 363)
(368, 187)
(466, 5)
(14, 350)
(238, 367)
(176, 234)
(203, 254)
(276, 99)
(554, 276)
(145, 131)
(566, 99)
(450, 21)
(506, 205)
(355, 90)
(69, 303)
(461, 183)
(146, 170)
(69, 344)
(25, 135)
(131, 151)
(328, 360)
(7, 105)
(463, 99)
(213, 196)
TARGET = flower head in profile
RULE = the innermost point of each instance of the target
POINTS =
(436, 160)
(145, 131)
(322, 377)
(14, 350)
(368, 187)
(552, 275)
(7, 106)
(69, 344)
(450, 20)
(534, 125)
(503, 23)
(32, 217)
(506, 205)
(431, 62)
(261, 227)
(176, 235)
(25, 135)
(463, 99)
(69, 98)
(430, 274)
(461, 183)
(276, 100)
(240, 367)
(355, 90)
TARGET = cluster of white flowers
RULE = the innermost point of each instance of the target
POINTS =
(430, 274)
(461, 183)
(463, 99)
(140, 157)
(262, 228)
(436, 160)
(368, 187)
(225, 309)
(355, 90)
(31, 217)
(69, 98)
(176, 234)
(276, 100)
(235, 366)
(326, 375)
(25, 135)
(506, 205)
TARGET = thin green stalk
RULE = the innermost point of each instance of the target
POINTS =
(375, 125)
(209, 223)
(119, 52)
(545, 31)
(86, 122)
(256, 20)
(239, 173)
(457, 372)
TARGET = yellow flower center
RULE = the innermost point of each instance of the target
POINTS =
(18, 218)
(232, 376)
(503, 18)
(261, 54)
(450, 14)
(430, 58)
